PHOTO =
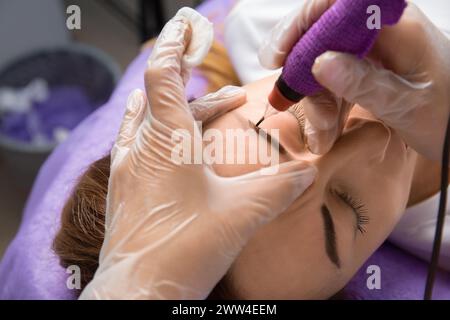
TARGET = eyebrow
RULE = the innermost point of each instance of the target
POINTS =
(271, 140)
(330, 236)
(250, 125)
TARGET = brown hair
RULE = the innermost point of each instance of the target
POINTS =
(80, 238)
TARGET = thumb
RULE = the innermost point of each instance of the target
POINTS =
(256, 198)
(385, 94)
(215, 104)
(325, 116)
(178, 48)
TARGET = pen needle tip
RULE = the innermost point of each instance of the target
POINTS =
(264, 115)
(259, 122)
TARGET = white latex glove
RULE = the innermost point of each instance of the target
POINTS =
(173, 230)
(411, 93)
(215, 104)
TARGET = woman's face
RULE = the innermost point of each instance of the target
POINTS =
(314, 248)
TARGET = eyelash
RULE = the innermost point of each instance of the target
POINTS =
(297, 111)
(360, 210)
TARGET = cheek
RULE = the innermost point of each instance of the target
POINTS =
(387, 198)
(286, 259)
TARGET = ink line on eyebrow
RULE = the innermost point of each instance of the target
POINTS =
(270, 139)
(330, 236)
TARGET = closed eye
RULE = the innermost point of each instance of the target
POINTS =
(298, 112)
(358, 208)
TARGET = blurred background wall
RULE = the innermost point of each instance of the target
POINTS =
(27, 25)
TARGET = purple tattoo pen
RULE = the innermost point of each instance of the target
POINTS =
(344, 27)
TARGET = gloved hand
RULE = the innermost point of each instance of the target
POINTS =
(214, 105)
(173, 230)
(405, 81)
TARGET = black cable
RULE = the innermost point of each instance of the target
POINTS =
(144, 20)
(432, 268)
(152, 18)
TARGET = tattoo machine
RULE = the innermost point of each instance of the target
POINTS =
(344, 27)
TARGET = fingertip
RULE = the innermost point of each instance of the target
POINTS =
(218, 103)
(201, 37)
(329, 69)
(322, 111)
(319, 142)
(172, 43)
(313, 143)
(308, 177)
(299, 171)
(322, 62)
(232, 91)
(303, 176)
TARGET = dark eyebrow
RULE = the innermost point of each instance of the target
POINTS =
(330, 236)
(249, 124)
(270, 139)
